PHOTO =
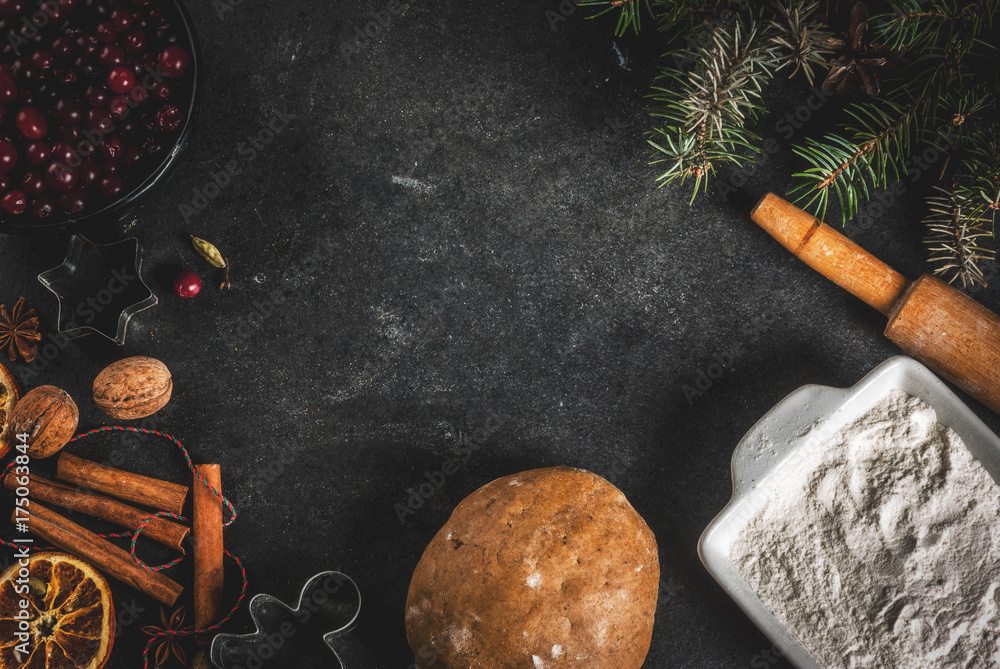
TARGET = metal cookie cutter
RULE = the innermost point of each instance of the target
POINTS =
(99, 287)
(328, 608)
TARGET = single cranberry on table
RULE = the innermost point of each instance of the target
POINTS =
(187, 284)
(31, 123)
(14, 202)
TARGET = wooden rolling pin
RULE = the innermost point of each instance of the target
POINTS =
(942, 327)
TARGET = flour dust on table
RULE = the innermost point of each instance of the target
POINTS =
(882, 547)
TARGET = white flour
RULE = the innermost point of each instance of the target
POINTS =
(883, 549)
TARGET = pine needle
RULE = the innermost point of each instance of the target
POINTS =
(955, 228)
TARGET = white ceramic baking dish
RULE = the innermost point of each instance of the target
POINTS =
(769, 452)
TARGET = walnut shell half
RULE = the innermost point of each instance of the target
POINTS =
(49, 416)
(133, 388)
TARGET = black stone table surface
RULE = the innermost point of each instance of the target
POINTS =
(448, 251)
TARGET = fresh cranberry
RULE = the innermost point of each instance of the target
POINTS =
(37, 153)
(121, 19)
(98, 119)
(14, 202)
(87, 44)
(121, 80)
(97, 96)
(8, 89)
(42, 207)
(33, 184)
(5, 183)
(169, 118)
(135, 41)
(74, 201)
(62, 47)
(68, 111)
(66, 76)
(160, 90)
(131, 155)
(64, 152)
(174, 61)
(8, 156)
(31, 123)
(118, 106)
(111, 185)
(112, 148)
(60, 177)
(187, 284)
(88, 173)
(106, 33)
(42, 59)
(111, 55)
(11, 8)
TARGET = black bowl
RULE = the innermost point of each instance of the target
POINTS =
(156, 172)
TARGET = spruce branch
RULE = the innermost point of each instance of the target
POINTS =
(630, 12)
(801, 38)
(955, 228)
(706, 109)
(847, 168)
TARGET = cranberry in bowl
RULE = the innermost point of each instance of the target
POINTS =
(97, 102)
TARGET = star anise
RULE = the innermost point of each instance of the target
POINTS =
(19, 331)
(857, 59)
(165, 643)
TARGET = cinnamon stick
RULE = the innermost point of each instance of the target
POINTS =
(105, 556)
(164, 531)
(144, 490)
(206, 523)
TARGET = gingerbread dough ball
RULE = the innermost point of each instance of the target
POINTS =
(544, 569)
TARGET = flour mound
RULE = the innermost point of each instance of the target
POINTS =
(883, 547)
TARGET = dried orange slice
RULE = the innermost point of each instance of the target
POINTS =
(70, 617)
(10, 393)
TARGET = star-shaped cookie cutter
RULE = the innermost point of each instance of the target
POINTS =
(329, 605)
(99, 288)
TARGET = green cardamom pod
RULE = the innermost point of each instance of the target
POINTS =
(208, 251)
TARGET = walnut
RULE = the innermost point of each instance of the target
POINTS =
(133, 388)
(49, 416)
